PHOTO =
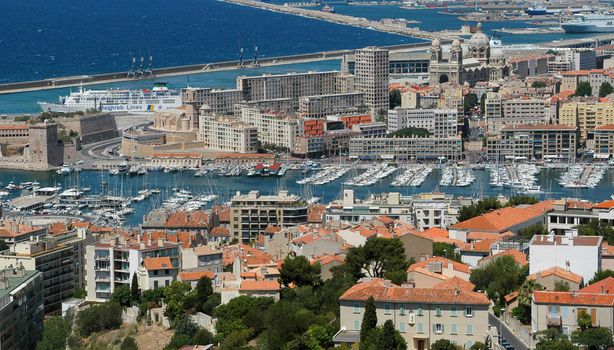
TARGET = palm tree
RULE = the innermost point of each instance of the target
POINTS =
(525, 293)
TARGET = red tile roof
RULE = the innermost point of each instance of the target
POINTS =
(558, 272)
(605, 205)
(501, 220)
(605, 127)
(265, 285)
(573, 298)
(519, 257)
(195, 275)
(455, 283)
(219, 232)
(161, 263)
(460, 267)
(558, 240)
(382, 290)
(604, 286)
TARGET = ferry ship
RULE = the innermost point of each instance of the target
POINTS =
(131, 101)
(589, 24)
(543, 10)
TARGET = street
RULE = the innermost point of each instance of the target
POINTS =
(510, 340)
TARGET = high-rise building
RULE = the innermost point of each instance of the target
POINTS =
(227, 134)
(292, 85)
(372, 69)
(439, 122)
(274, 128)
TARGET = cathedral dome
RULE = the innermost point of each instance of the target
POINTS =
(456, 43)
(497, 54)
(436, 43)
(478, 40)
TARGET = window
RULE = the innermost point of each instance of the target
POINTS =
(437, 311)
(453, 329)
(386, 309)
(420, 311)
(356, 308)
(419, 328)
(438, 328)
(469, 311)
(402, 310)
(453, 311)
(469, 329)
(468, 344)
(155, 284)
(402, 327)
(356, 325)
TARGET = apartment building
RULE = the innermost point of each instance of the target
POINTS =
(273, 127)
(569, 213)
(604, 141)
(252, 213)
(540, 142)
(284, 105)
(112, 263)
(586, 115)
(219, 101)
(291, 85)
(595, 77)
(156, 273)
(227, 134)
(560, 310)
(439, 122)
(370, 129)
(421, 315)
(493, 112)
(21, 308)
(332, 143)
(202, 258)
(372, 70)
(320, 106)
(450, 148)
(60, 259)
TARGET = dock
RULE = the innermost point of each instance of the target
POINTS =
(105, 78)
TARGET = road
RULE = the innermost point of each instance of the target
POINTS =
(510, 340)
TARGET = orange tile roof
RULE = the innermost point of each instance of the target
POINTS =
(457, 266)
(206, 250)
(481, 246)
(327, 259)
(573, 298)
(13, 127)
(219, 232)
(85, 224)
(575, 73)
(382, 290)
(605, 127)
(519, 257)
(195, 275)
(272, 229)
(606, 286)
(558, 272)
(511, 297)
(501, 220)
(246, 155)
(58, 228)
(455, 283)
(605, 205)
(264, 285)
(161, 263)
(558, 240)
(478, 236)
(606, 249)
(185, 219)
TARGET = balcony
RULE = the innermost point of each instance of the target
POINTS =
(101, 258)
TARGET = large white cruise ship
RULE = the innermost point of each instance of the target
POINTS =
(131, 101)
(589, 24)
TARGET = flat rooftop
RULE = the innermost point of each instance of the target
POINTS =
(14, 281)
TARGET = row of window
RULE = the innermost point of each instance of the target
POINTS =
(438, 328)
(468, 311)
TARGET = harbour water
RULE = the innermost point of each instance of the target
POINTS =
(226, 187)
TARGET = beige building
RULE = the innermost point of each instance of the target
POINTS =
(252, 213)
(291, 85)
(604, 141)
(549, 277)
(320, 106)
(421, 315)
(156, 273)
(586, 115)
(372, 69)
(202, 258)
(227, 134)
(560, 310)
(439, 122)
(535, 142)
(218, 100)
(430, 272)
(274, 128)
(406, 148)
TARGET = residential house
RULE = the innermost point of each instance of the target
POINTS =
(548, 278)
(156, 273)
(432, 271)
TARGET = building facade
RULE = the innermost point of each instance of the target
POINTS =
(420, 148)
(372, 70)
(227, 134)
(274, 128)
(535, 142)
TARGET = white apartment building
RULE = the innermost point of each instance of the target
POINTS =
(219, 101)
(227, 134)
(274, 128)
(372, 70)
(320, 106)
(112, 263)
(291, 85)
(440, 122)
(517, 111)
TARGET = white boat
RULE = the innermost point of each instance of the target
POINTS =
(597, 23)
(133, 101)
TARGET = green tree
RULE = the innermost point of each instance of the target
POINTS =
(203, 337)
(410, 132)
(584, 89)
(585, 320)
(479, 346)
(3, 245)
(201, 294)
(98, 318)
(55, 332)
(446, 250)
(482, 206)
(395, 98)
(597, 228)
(605, 89)
(530, 231)
(483, 103)
(369, 319)
(237, 340)
(320, 337)
(129, 343)
(499, 278)
(597, 338)
(561, 286)
(551, 339)
(377, 257)
(470, 101)
(397, 277)
(601, 275)
(175, 296)
(212, 302)
(121, 295)
(231, 316)
(390, 338)
(134, 290)
(522, 199)
(79, 293)
(444, 344)
(299, 271)
(538, 84)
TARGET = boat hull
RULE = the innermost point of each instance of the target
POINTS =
(586, 28)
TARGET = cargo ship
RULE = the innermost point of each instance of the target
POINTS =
(130, 101)
(589, 24)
